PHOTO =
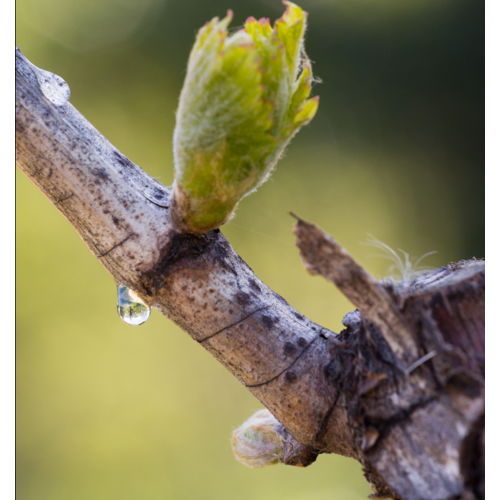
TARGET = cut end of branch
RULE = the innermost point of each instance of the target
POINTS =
(321, 254)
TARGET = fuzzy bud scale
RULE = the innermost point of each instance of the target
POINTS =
(258, 442)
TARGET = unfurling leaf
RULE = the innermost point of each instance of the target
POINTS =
(244, 97)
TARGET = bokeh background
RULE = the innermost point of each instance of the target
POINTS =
(108, 411)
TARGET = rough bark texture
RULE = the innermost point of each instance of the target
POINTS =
(417, 418)
(401, 389)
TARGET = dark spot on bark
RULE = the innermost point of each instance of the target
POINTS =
(341, 370)
(105, 211)
(230, 311)
(254, 285)
(180, 247)
(302, 342)
(289, 348)
(313, 328)
(299, 316)
(221, 253)
(116, 221)
(183, 287)
(333, 371)
(211, 290)
(122, 159)
(191, 299)
(267, 321)
(242, 298)
(101, 174)
(290, 377)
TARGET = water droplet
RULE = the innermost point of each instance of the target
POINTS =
(53, 87)
(131, 308)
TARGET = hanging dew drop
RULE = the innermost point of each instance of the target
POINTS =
(131, 308)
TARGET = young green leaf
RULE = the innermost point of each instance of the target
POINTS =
(244, 97)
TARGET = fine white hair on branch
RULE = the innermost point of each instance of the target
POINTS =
(401, 269)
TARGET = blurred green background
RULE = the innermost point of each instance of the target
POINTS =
(107, 411)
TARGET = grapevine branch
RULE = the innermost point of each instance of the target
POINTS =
(416, 426)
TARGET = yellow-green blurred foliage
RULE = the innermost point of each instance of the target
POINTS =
(108, 411)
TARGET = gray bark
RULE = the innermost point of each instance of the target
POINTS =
(401, 389)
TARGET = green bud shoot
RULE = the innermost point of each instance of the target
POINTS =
(244, 97)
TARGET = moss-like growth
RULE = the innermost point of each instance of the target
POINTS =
(243, 99)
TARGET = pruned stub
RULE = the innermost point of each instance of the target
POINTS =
(420, 434)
